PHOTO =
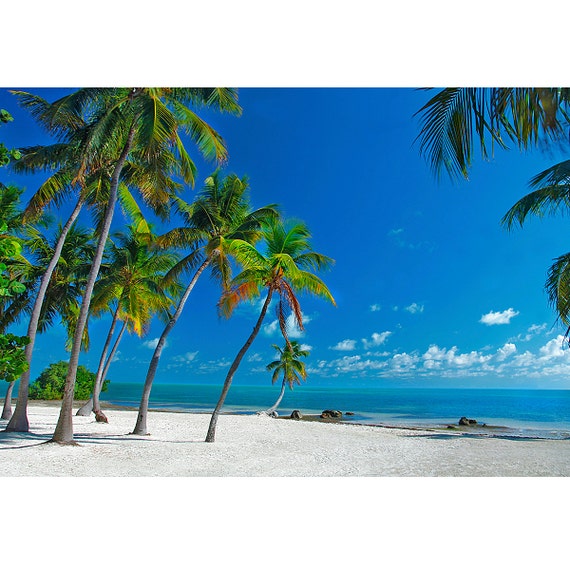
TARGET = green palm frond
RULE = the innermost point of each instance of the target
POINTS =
(209, 141)
(558, 287)
(455, 118)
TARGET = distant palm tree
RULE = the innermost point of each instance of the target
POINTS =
(283, 269)
(289, 364)
(122, 122)
(220, 215)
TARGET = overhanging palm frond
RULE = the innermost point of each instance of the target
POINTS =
(558, 287)
(454, 118)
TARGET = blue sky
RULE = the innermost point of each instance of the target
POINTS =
(431, 291)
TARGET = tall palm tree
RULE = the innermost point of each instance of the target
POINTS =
(220, 215)
(91, 186)
(289, 364)
(122, 122)
(134, 282)
(66, 284)
(283, 269)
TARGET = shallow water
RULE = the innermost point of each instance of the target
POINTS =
(521, 413)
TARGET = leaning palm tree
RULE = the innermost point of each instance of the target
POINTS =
(65, 287)
(122, 122)
(91, 185)
(289, 364)
(133, 282)
(220, 215)
(283, 269)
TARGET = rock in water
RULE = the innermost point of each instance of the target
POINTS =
(331, 414)
(296, 415)
(466, 422)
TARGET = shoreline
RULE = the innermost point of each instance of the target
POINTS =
(441, 429)
(257, 445)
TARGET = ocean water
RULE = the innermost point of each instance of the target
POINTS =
(505, 413)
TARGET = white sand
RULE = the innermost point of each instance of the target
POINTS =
(261, 446)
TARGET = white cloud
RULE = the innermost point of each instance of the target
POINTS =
(188, 357)
(555, 348)
(306, 347)
(499, 317)
(435, 357)
(153, 343)
(291, 325)
(505, 351)
(414, 308)
(532, 331)
(346, 344)
(213, 365)
(255, 357)
(375, 307)
(377, 339)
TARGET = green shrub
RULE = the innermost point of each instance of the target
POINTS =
(50, 383)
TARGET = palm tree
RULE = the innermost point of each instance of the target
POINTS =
(290, 364)
(133, 281)
(92, 188)
(65, 287)
(139, 122)
(453, 119)
(283, 269)
(220, 215)
(551, 195)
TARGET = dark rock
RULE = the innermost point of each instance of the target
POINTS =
(450, 427)
(349, 413)
(472, 422)
(273, 414)
(296, 415)
(331, 414)
(466, 422)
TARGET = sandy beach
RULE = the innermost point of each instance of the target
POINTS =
(249, 446)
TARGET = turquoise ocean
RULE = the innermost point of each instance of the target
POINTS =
(520, 413)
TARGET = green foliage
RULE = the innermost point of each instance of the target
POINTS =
(12, 357)
(6, 154)
(50, 383)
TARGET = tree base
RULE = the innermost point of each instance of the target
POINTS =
(101, 417)
(72, 442)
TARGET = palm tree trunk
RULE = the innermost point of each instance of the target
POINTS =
(7, 409)
(281, 394)
(63, 433)
(87, 408)
(211, 435)
(99, 415)
(19, 421)
(140, 426)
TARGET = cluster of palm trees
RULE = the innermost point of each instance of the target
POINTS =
(455, 119)
(125, 146)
